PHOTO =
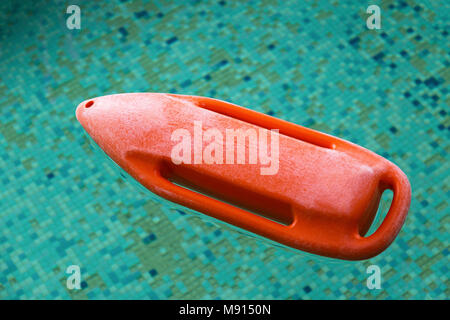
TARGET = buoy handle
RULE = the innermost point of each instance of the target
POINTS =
(153, 175)
(394, 179)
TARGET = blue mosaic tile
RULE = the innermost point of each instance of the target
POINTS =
(62, 202)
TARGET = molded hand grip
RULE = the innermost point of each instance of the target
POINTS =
(156, 181)
(396, 180)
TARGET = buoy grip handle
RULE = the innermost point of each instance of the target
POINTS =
(155, 179)
(393, 178)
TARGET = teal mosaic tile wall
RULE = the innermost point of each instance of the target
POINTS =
(314, 63)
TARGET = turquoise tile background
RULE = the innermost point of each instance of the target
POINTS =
(315, 63)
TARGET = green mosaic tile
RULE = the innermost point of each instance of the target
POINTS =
(314, 63)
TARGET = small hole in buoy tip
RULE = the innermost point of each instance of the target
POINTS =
(89, 104)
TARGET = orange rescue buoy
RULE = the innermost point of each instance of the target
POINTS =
(296, 186)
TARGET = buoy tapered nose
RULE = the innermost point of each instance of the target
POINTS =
(103, 123)
(120, 122)
(81, 109)
(94, 113)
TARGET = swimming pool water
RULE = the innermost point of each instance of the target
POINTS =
(314, 63)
